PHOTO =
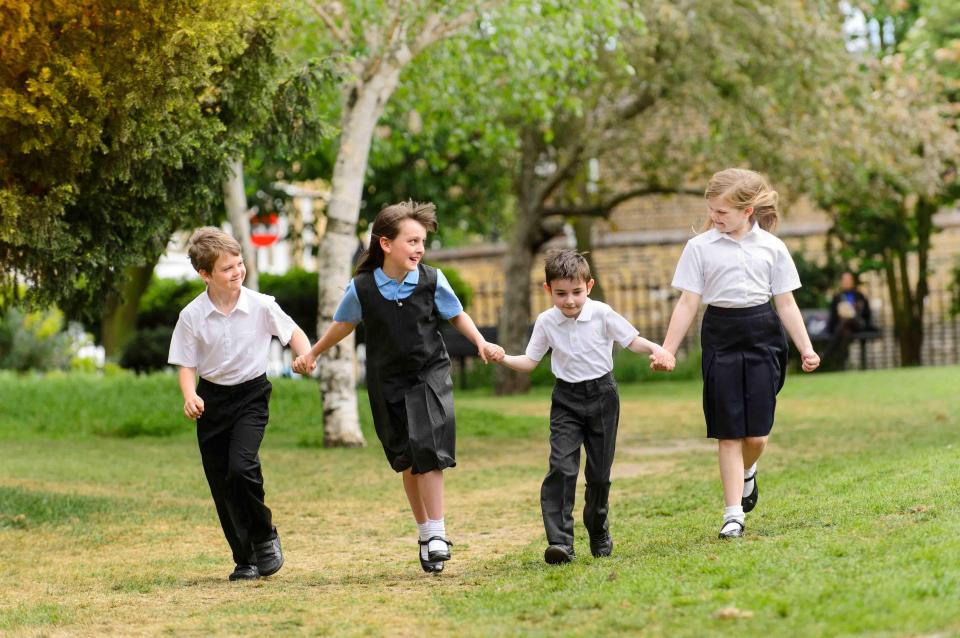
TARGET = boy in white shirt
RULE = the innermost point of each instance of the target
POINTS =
(585, 407)
(224, 335)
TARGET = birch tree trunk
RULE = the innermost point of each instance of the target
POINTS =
(235, 201)
(363, 107)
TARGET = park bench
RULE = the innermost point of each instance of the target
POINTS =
(817, 319)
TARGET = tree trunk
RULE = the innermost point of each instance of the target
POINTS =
(583, 229)
(235, 201)
(119, 318)
(362, 108)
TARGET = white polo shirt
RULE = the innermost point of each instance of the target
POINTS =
(233, 348)
(582, 347)
(736, 274)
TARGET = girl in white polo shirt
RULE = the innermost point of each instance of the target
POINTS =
(735, 267)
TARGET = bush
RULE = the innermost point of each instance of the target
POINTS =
(33, 340)
(147, 350)
(296, 292)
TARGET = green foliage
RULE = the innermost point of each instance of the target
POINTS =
(163, 300)
(147, 350)
(117, 122)
(33, 340)
(819, 280)
(295, 292)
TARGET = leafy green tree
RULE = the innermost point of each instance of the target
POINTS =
(117, 123)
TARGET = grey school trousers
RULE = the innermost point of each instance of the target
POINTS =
(581, 414)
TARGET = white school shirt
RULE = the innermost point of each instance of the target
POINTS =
(583, 346)
(736, 274)
(233, 348)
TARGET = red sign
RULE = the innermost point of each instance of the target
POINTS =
(264, 230)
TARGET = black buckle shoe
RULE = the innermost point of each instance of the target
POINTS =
(735, 532)
(440, 555)
(750, 500)
(602, 547)
(245, 572)
(429, 566)
(559, 554)
(269, 555)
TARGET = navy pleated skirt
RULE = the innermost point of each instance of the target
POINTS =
(744, 367)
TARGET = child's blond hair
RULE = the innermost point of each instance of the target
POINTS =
(742, 188)
(207, 244)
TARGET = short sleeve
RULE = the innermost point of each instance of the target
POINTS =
(183, 344)
(448, 305)
(689, 274)
(279, 323)
(785, 275)
(349, 310)
(618, 328)
(538, 345)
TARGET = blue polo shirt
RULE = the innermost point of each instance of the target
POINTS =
(350, 311)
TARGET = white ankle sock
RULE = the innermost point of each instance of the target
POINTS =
(436, 528)
(423, 530)
(734, 512)
(748, 480)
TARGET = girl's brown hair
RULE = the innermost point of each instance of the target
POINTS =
(742, 188)
(387, 224)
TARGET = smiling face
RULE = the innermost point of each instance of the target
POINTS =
(404, 252)
(569, 295)
(728, 219)
(227, 276)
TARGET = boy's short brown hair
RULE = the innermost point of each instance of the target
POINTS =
(207, 244)
(566, 263)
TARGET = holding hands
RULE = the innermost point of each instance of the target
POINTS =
(490, 352)
(305, 364)
(661, 359)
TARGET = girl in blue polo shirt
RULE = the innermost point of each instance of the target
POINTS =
(401, 302)
(735, 267)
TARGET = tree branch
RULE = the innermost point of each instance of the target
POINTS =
(603, 209)
(341, 35)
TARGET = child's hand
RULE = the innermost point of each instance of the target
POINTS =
(811, 361)
(193, 407)
(493, 353)
(662, 360)
(305, 364)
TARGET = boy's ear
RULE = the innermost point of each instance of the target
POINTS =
(203, 274)
(589, 286)
(546, 286)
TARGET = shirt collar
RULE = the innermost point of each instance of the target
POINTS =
(713, 234)
(382, 278)
(243, 303)
(586, 312)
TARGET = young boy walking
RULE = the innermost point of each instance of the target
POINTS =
(585, 407)
(224, 335)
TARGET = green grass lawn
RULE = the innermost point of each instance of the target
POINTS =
(106, 525)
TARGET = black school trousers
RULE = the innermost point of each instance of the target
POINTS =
(581, 414)
(229, 433)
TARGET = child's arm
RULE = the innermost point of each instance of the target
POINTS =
(793, 321)
(336, 332)
(299, 342)
(683, 315)
(660, 358)
(192, 403)
(520, 362)
(466, 326)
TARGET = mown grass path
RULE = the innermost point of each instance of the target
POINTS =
(106, 525)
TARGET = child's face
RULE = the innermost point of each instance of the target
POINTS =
(405, 251)
(729, 219)
(569, 295)
(228, 274)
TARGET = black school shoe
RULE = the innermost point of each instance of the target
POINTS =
(733, 532)
(245, 572)
(559, 554)
(602, 547)
(429, 566)
(269, 555)
(443, 554)
(750, 500)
